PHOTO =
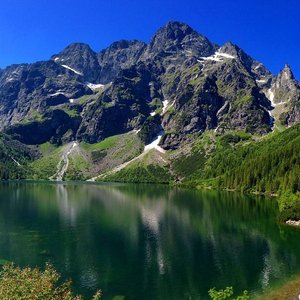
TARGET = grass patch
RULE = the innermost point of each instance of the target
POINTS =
(78, 168)
(103, 145)
(141, 174)
(45, 167)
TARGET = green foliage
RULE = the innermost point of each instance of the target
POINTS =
(71, 111)
(46, 166)
(35, 116)
(156, 105)
(191, 75)
(289, 206)
(78, 166)
(271, 165)
(47, 148)
(32, 283)
(227, 293)
(98, 155)
(244, 101)
(87, 98)
(14, 158)
(141, 174)
(234, 138)
(190, 164)
(103, 145)
(235, 161)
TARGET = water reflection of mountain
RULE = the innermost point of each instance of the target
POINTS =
(144, 241)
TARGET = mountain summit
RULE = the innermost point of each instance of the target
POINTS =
(179, 85)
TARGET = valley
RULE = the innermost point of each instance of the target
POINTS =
(180, 110)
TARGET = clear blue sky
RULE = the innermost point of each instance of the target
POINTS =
(32, 30)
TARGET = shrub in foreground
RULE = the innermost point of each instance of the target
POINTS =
(225, 294)
(31, 283)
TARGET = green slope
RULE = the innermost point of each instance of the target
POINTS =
(235, 161)
(14, 158)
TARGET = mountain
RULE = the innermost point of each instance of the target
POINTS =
(80, 59)
(192, 83)
(178, 109)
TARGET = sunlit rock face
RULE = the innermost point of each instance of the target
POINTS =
(180, 82)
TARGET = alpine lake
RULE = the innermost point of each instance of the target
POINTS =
(147, 242)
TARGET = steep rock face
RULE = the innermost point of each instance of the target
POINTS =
(285, 96)
(120, 55)
(217, 92)
(194, 110)
(81, 59)
(180, 83)
(27, 91)
(245, 105)
(56, 126)
(177, 38)
(122, 107)
(150, 129)
(284, 86)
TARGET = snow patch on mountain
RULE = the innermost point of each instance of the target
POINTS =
(261, 81)
(165, 106)
(57, 94)
(270, 95)
(217, 57)
(94, 86)
(154, 145)
(71, 69)
(258, 66)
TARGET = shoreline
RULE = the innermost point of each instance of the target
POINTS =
(289, 222)
(287, 291)
(293, 223)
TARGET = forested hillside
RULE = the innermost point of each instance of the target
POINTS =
(270, 165)
(14, 157)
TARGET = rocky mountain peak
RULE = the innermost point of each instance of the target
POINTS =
(125, 44)
(74, 49)
(175, 37)
(79, 58)
(230, 48)
(238, 53)
(285, 79)
(175, 29)
(118, 56)
(287, 93)
(189, 83)
(286, 74)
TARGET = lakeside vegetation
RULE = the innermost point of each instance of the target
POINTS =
(235, 161)
(32, 283)
(14, 159)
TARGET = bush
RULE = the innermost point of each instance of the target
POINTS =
(226, 294)
(32, 283)
(289, 207)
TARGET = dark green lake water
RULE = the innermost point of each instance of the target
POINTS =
(147, 242)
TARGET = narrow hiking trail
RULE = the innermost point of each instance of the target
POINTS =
(63, 164)
(152, 145)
